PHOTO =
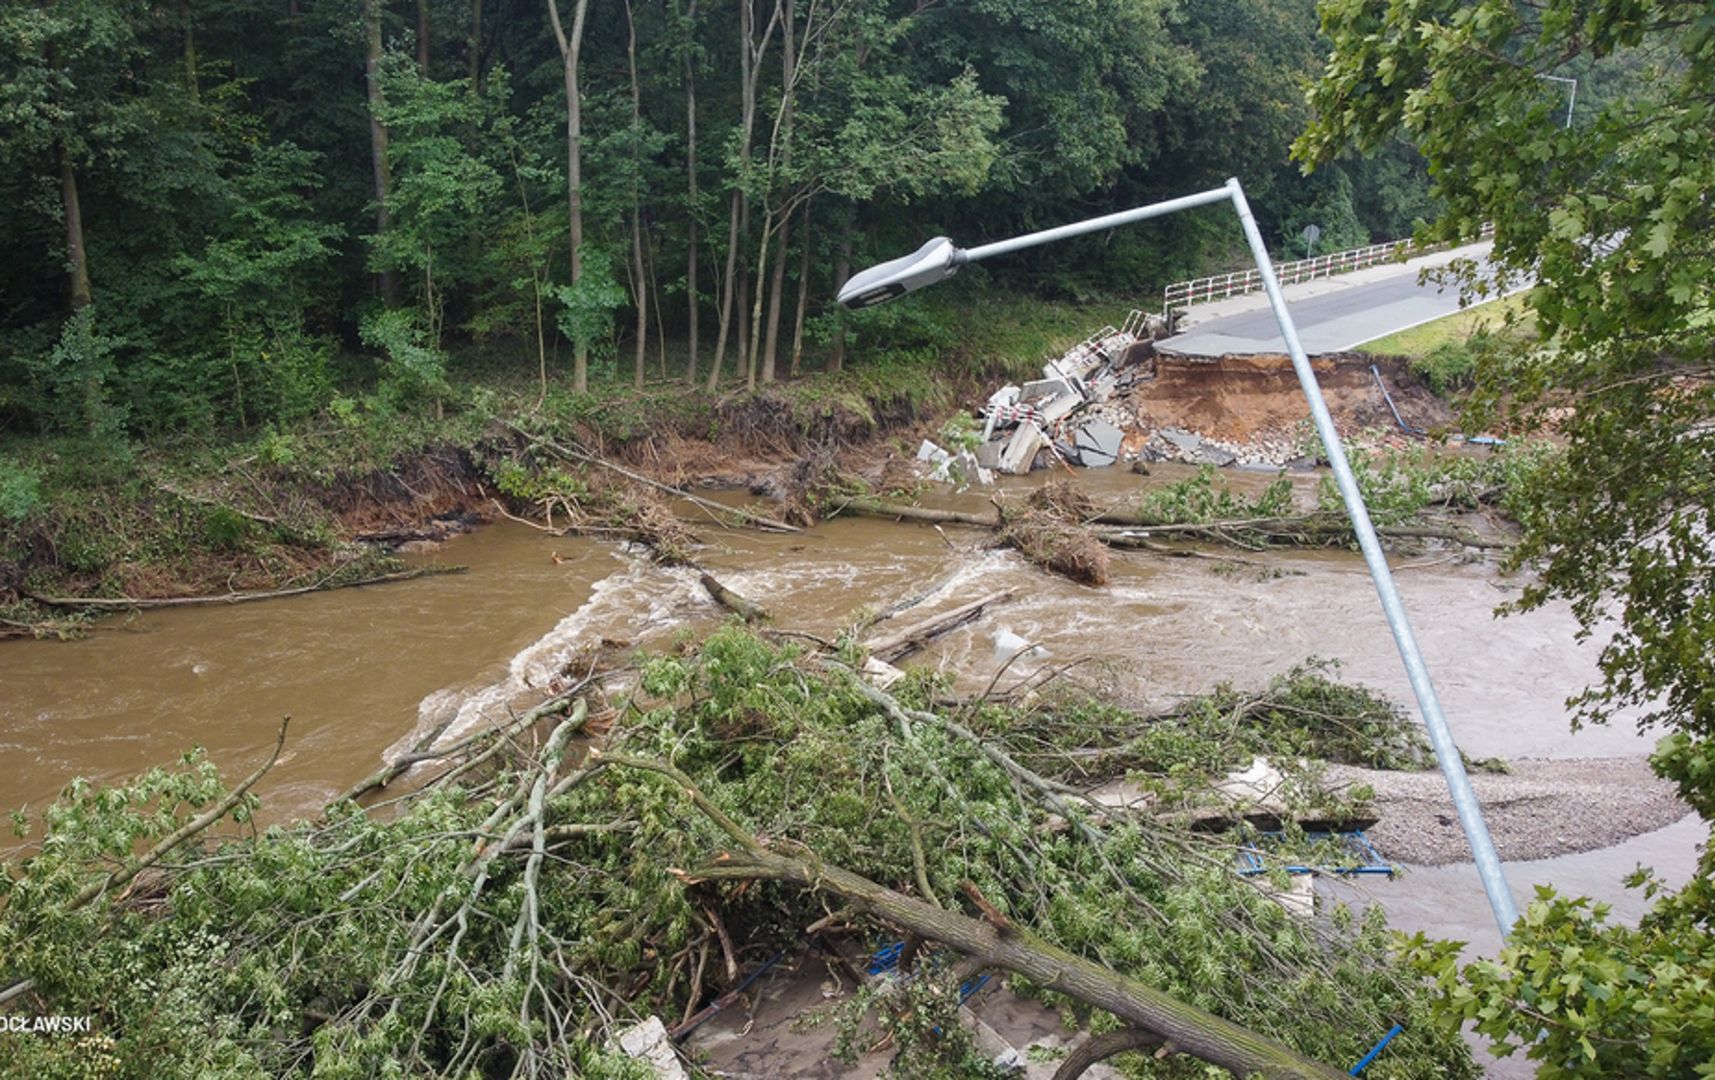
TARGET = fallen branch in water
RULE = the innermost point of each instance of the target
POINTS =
(737, 516)
(869, 507)
(391, 771)
(1129, 528)
(236, 597)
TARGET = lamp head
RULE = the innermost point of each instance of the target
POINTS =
(935, 261)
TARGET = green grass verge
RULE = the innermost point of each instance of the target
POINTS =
(1510, 313)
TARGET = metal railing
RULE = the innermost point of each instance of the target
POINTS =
(1104, 344)
(1182, 294)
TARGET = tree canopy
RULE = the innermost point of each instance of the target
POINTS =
(240, 192)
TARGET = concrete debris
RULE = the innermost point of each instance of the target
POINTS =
(1008, 645)
(1020, 453)
(881, 673)
(962, 468)
(648, 1042)
(1258, 789)
(1071, 413)
(1098, 443)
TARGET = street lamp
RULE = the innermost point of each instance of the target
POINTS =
(940, 259)
(1571, 98)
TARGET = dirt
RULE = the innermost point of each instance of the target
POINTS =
(1251, 399)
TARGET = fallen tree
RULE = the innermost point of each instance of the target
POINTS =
(511, 912)
(995, 944)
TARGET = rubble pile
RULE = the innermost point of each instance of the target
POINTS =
(1113, 399)
(1070, 414)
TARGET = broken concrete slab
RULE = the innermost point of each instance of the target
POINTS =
(1021, 449)
(1046, 390)
(1059, 408)
(1184, 440)
(649, 1043)
(1098, 443)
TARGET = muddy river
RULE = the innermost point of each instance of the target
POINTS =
(363, 672)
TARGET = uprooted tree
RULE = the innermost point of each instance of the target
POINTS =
(506, 914)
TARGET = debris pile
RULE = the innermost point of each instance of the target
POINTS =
(1070, 413)
(1112, 398)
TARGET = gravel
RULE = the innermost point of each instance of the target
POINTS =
(1543, 808)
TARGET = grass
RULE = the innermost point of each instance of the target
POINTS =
(1509, 312)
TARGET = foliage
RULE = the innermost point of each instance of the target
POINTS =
(224, 162)
(1398, 487)
(1608, 207)
(1205, 497)
(20, 491)
(1584, 997)
(313, 945)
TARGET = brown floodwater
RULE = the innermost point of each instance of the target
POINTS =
(364, 672)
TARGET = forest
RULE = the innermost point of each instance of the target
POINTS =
(292, 283)
(227, 214)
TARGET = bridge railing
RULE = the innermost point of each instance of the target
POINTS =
(1182, 294)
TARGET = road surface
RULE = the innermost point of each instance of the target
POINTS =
(1332, 314)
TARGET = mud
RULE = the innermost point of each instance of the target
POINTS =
(1253, 399)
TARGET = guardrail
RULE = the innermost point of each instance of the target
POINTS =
(1182, 294)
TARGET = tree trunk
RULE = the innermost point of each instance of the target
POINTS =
(803, 290)
(692, 300)
(788, 92)
(386, 280)
(570, 48)
(423, 37)
(776, 286)
(744, 349)
(1184, 1028)
(190, 49)
(474, 48)
(728, 289)
(77, 261)
(842, 272)
(737, 293)
(640, 280)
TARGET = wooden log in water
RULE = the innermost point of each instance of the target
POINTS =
(905, 641)
(748, 610)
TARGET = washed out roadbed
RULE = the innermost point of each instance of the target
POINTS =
(1543, 808)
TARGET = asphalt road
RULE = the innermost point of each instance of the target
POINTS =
(1331, 315)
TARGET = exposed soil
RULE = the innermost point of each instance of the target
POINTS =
(1251, 399)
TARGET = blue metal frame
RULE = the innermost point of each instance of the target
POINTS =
(1252, 860)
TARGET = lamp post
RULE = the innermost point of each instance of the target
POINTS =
(940, 259)
(1571, 98)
